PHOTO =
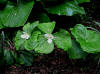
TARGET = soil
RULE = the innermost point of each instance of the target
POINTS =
(57, 62)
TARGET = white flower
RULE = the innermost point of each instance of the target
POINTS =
(49, 40)
(50, 37)
(25, 35)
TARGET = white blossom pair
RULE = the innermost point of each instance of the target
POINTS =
(50, 37)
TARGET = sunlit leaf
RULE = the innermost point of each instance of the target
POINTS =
(63, 40)
(89, 40)
(67, 8)
(44, 47)
(47, 27)
(15, 16)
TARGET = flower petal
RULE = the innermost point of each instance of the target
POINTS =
(49, 40)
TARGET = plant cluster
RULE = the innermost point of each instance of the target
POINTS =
(36, 34)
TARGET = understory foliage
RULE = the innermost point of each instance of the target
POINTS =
(28, 29)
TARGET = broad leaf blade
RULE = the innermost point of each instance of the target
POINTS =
(76, 51)
(32, 43)
(8, 57)
(63, 40)
(47, 27)
(67, 8)
(44, 18)
(81, 1)
(44, 47)
(1, 25)
(13, 16)
(2, 1)
(26, 58)
(19, 42)
(28, 28)
(88, 39)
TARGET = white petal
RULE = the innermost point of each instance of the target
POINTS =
(49, 36)
(49, 40)
(25, 35)
(46, 35)
(22, 36)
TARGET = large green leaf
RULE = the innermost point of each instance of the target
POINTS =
(32, 43)
(88, 39)
(63, 40)
(68, 8)
(76, 51)
(15, 16)
(47, 27)
(19, 42)
(44, 47)
(28, 28)
(81, 1)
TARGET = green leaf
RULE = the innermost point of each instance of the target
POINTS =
(8, 57)
(44, 18)
(28, 28)
(89, 40)
(47, 27)
(81, 1)
(15, 16)
(76, 51)
(67, 8)
(26, 58)
(2, 1)
(44, 47)
(50, 0)
(32, 43)
(1, 43)
(19, 42)
(63, 40)
(14, 55)
(1, 26)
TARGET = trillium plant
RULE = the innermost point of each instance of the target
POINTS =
(40, 38)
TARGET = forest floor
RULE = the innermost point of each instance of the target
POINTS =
(57, 63)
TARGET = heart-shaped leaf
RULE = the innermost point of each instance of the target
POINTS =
(32, 43)
(67, 8)
(63, 40)
(28, 28)
(47, 27)
(44, 47)
(15, 16)
(88, 39)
